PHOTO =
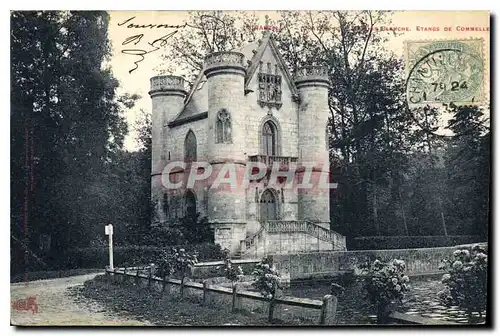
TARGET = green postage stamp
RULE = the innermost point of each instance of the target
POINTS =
(445, 71)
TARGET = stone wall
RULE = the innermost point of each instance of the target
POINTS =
(306, 265)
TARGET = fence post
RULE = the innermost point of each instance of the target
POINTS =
(124, 274)
(166, 285)
(182, 287)
(328, 309)
(235, 298)
(205, 292)
(272, 303)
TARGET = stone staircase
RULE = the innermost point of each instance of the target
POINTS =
(284, 237)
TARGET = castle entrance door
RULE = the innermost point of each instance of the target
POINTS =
(268, 206)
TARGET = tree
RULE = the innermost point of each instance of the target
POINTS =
(468, 165)
(207, 32)
(368, 127)
(67, 125)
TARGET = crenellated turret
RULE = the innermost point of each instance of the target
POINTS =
(225, 72)
(167, 96)
(313, 83)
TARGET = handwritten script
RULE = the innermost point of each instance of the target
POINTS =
(154, 45)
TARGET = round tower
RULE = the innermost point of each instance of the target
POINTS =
(167, 96)
(313, 201)
(225, 72)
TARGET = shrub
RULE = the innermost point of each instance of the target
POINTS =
(182, 261)
(385, 284)
(173, 261)
(406, 242)
(165, 265)
(191, 229)
(466, 280)
(132, 255)
(231, 273)
(268, 279)
(195, 229)
(163, 236)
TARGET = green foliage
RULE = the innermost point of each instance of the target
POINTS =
(182, 261)
(405, 242)
(466, 280)
(385, 283)
(207, 32)
(67, 131)
(191, 229)
(165, 264)
(467, 162)
(129, 256)
(231, 273)
(267, 278)
(70, 175)
(194, 229)
(162, 236)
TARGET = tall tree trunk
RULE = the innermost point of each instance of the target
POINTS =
(374, 209)
(403, 212)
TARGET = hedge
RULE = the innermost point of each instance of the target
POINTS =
(404, 242)
(133, 255)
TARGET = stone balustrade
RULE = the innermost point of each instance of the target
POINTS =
(271, 159)
(311, 74)
(162, 83)
(223, 59)
(304, 226)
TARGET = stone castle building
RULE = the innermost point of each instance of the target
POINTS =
(245, 107)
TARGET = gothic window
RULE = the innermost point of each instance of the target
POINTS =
(269, 139)
(223, 127)
(190, 204)
(190, 147)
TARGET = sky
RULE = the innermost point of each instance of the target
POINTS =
(411, 25)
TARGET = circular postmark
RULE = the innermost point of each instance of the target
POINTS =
(445, 72)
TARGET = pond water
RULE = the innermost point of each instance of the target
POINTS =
(354, 308)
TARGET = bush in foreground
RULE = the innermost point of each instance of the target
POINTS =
(466, 281)
(385, 285)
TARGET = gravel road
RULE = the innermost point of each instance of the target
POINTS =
(56, 307)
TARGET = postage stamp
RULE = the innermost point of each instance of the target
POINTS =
(445, 71)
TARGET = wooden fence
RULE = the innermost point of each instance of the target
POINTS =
(235, 299)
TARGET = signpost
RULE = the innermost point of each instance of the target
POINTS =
(108, 230)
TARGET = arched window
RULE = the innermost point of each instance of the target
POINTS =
(269, 139)
(190, 204)
(190, 147)
(223, 127)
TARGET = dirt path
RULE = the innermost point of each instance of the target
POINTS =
(56, 307)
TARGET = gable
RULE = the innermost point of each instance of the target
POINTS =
(265, 50)
(268, 52)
